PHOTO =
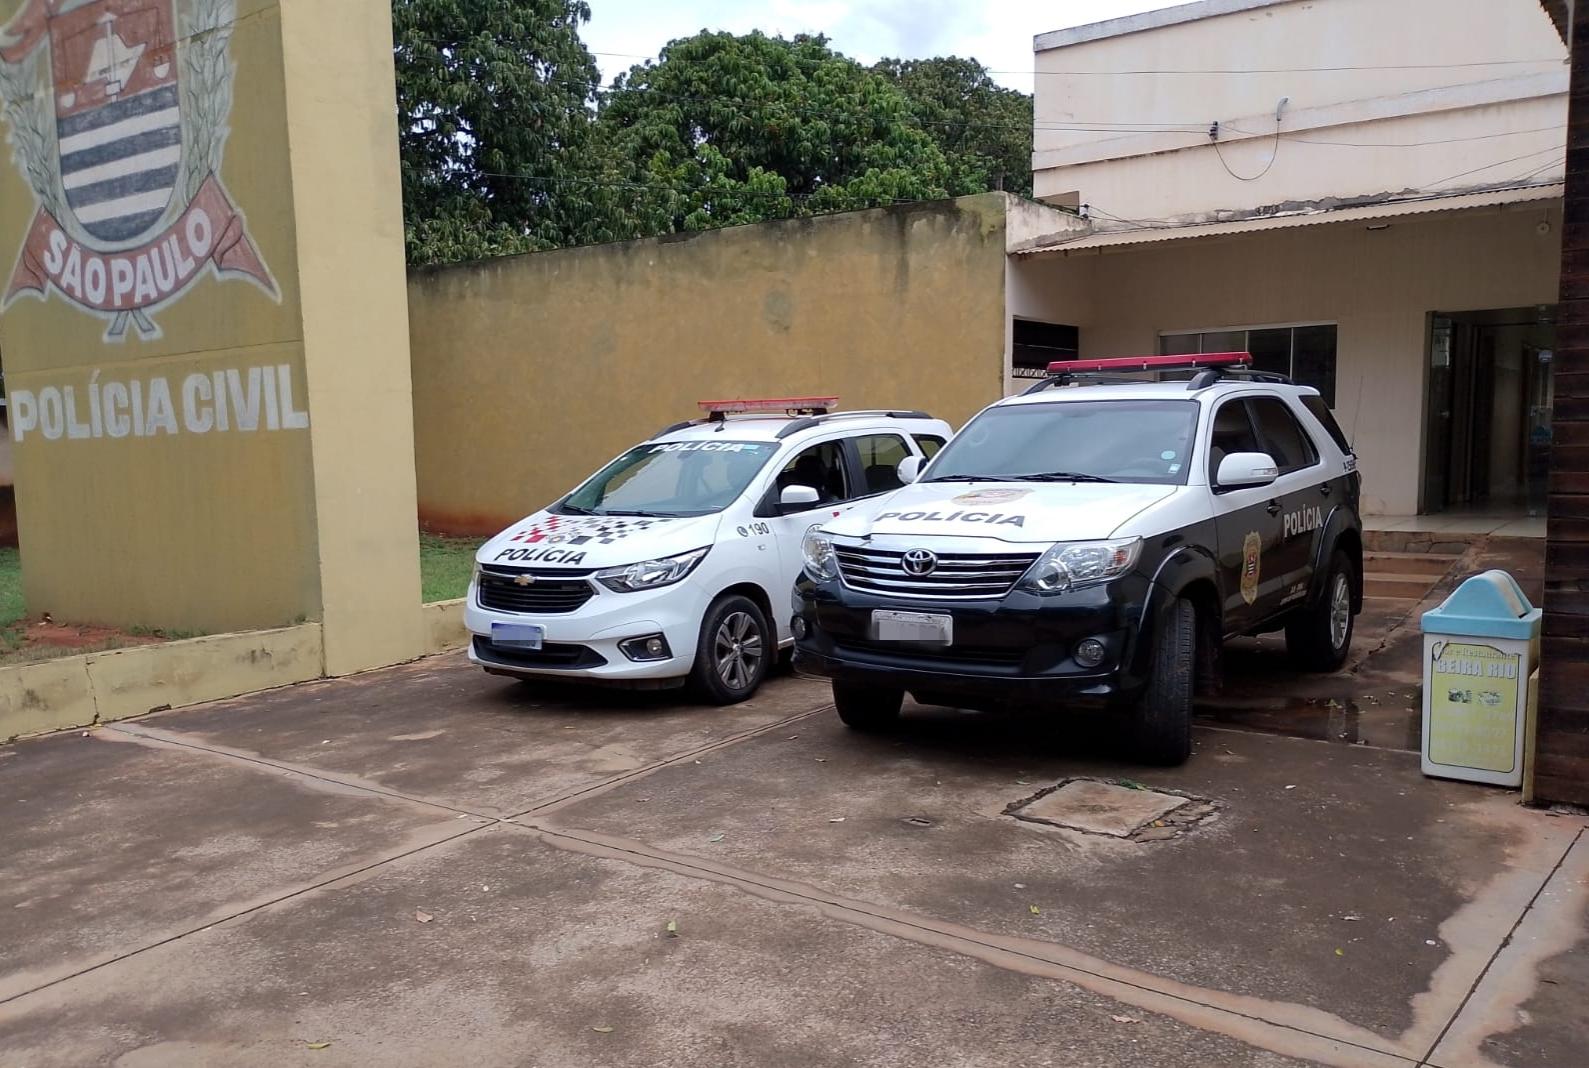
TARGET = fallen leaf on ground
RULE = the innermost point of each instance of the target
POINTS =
(1035, 910)
(1338, 953)
(1293, 786)
(1022, 782)
(603, 1029)
(1124, 1019)
(423, 917)
(673, 928)
(836, 819)
(718, 837)
(319, 1045)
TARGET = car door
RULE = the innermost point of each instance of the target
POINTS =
(1302, 490)
(1246, 522)
(825, 466)
(876, 458)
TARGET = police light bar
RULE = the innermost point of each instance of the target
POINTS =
(1188, 362)
(813, 405)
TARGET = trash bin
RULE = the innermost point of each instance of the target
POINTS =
(1480, 648)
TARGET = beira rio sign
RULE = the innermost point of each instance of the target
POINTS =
(131, 209)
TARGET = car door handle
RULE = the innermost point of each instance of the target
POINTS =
(1325, 489)
(1274, 508)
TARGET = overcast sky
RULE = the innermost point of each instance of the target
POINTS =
(997, 32)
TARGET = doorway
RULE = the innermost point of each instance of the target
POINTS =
(1487, 447)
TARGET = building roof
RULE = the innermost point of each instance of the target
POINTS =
(1386, 210)
(1560, 12)
(1147, 20)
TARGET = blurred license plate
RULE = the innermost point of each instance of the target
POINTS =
(518, 635)
(890, 626)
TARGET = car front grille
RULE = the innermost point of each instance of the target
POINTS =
(548, 592)
(965, 576)
(550, 655)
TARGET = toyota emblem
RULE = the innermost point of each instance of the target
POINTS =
(919, 562)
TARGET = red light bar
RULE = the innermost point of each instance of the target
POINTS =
(768, 404)
(1152, 363)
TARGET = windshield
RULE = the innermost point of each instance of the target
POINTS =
(671, 478)
(1086, 441)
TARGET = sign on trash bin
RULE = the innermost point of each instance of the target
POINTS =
(1479, 681)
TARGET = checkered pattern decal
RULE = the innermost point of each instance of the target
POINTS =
(582, 530)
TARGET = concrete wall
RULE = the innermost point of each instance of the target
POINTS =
(1380, 97)
(531, 371)
(1378, 286)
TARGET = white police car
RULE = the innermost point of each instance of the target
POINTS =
(674, 562)
(1093, 546)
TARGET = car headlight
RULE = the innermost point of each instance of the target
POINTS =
(1071, 565)
(650, 574)
(820, 561)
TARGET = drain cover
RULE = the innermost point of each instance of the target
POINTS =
(1099, 807)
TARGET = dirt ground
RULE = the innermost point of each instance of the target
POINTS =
(426, 865)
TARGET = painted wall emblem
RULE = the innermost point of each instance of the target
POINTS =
(117, 113)
(1251, 566)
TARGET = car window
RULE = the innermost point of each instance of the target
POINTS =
(880, 458)
(1232, 433)
(671, 478)
(929, 444)
(1321, 411)
(1283, 437)
(822, 468)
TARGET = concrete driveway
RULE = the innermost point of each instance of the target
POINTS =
(425, 865)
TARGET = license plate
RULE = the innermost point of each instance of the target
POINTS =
(518, 635)
(931, 627)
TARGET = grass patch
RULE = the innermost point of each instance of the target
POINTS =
(11, 610)
(445, 565)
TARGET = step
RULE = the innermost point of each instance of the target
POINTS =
(1418, 541)
(1433, 564)
(1406, 587)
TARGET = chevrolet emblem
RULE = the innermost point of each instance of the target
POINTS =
(524, 580)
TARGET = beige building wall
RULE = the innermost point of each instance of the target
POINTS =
(1379, 286)
(209, 409)
(530, 372)
(1380, 98)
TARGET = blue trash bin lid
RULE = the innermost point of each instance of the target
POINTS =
(1491, 605)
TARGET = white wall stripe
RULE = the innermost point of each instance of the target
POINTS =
(115, 209)
(155, 120)
(125, 168)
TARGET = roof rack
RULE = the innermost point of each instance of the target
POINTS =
(817, 420)
(1210, 368)
(802, 411)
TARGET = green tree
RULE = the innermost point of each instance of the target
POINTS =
(978, 124)
(724, 129)
(495, 105)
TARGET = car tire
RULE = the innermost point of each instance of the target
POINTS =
(1319, 637)
(734, 652)
(871, 709)
(1160, 728)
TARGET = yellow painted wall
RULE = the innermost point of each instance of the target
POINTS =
(529, 372)
(191, 525)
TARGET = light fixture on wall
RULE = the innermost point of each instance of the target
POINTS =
(1375, 228)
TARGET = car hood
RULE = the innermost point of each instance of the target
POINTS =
(1022, 512)
(579, 541)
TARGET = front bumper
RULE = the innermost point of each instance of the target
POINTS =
(584, 644)
(1017, 649)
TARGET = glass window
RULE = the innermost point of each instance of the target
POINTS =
(1117, 441)
(822, 468)
(1313, 360)
(1321, 412)
(1271, 350)
(1283, 437)
(929, 444)
(880, 458)
(1181, 344)
(1232, 433)
(1225, 341)
(671, 478)
(1305, 353)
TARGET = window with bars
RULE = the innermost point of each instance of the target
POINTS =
(1305, 353)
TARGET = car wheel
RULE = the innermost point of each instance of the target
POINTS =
(1160, 728)
(867, 708)
(1319, 636)
(734, 652)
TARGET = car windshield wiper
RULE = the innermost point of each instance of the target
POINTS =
(1061, 476)
(966, 478)
(635, 513)
(573, 509)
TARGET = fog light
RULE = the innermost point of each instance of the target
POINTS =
(1090, 652)
(799, 627)
(647, 647)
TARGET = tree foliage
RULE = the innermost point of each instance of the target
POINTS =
(508, 143)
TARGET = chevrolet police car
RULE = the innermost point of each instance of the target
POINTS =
(674, 562)
(1092, 543)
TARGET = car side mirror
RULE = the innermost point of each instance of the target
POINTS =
(1241, 470)
(909, 470)
(797, 499)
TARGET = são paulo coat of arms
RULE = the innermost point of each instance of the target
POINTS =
(117, 113)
